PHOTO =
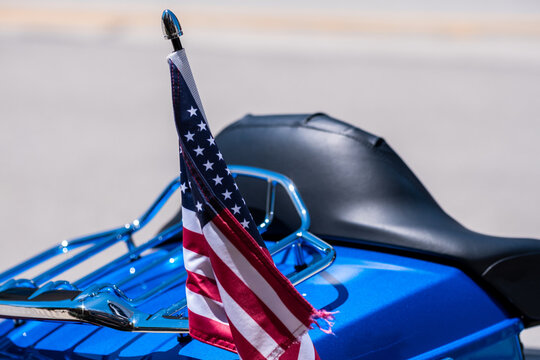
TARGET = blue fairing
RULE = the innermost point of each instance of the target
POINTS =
(389, 307)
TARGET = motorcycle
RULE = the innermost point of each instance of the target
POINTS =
(344, 219)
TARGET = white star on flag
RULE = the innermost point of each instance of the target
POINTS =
(211, 141)
(226, 195)
(217, 179)
(199, 150)
(189, 136)
(192, 111)
(236, 209)
(183, 188)
(208, 165)
(202, 126)
(245, 223)
(198, 206)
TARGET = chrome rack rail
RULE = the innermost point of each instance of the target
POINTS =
(94, 299)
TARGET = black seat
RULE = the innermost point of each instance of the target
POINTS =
(358, 190)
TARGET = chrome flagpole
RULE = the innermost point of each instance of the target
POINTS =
(171, 29)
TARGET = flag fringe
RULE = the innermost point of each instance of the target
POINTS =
(327, 317)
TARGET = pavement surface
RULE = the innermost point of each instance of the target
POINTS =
(86, 131)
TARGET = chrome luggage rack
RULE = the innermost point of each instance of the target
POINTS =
(94, 300)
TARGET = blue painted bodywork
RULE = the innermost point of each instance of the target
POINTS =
(390, 307)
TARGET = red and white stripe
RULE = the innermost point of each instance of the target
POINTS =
(236, 297)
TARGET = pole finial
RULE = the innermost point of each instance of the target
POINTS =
(171, 28)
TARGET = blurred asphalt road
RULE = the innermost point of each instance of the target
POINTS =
(86, 131)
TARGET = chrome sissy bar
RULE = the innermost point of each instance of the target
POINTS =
(95, 301)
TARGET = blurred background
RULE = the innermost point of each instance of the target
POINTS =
(87, 138)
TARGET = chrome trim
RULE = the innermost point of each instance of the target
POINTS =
(88, 300)
(102, 304)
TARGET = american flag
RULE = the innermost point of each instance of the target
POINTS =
(236, 297)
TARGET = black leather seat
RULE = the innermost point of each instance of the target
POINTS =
(358, 190)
